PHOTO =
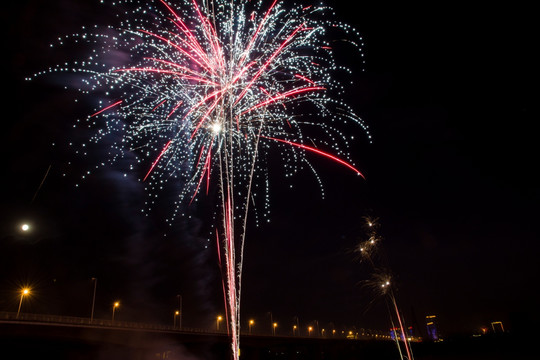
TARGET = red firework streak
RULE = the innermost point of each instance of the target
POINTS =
(283, 96)
(106, 108)
(157, 160)
(320, 152)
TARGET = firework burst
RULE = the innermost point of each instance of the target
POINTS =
(201, 90)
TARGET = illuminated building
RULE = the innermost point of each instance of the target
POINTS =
(432, 330)
(497, 326)
(395, 333)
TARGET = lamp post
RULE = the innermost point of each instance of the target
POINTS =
(296, 327)
(93, 300)
(309, 330)
(219, 318)
(176, 313)
(251, 322)
(115, 305)
(24, 292)
(294, 330)
(179, 311)
(274, 326)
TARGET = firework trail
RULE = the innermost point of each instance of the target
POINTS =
(381, 283)
(201, 91)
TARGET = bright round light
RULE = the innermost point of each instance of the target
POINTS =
(216, 128)
(25, 227)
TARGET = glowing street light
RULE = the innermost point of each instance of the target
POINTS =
(115, 305)
(251, 322)
(274, 326)
(309, 330)
(219, 318)
(176, 313)
(24, 292)
(294, 330)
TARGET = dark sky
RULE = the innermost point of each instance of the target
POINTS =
(451, 175)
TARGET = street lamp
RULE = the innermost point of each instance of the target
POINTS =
(294, 330)
(309, 330)
(274, 326)
(176, 313)
(115, 305)
(24, 291)
(251, 322)
(219, 318)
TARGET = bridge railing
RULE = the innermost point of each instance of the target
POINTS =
(82, 321)
(6, 316)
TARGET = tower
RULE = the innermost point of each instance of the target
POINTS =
(432, 328)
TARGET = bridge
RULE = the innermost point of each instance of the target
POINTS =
(38, 336)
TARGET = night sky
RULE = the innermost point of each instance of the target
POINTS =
(451, 176)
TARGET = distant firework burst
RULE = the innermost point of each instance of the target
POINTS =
(201, 90)
(382, 285)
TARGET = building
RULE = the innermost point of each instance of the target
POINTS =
(432, 328)
(497, 326)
